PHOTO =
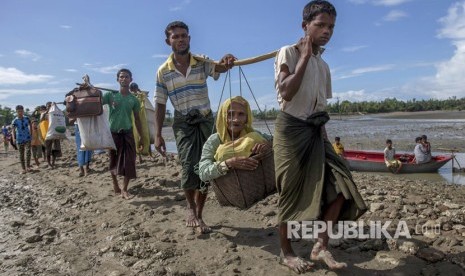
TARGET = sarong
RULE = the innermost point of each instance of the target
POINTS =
(83, 156)
(53, 148)
(309, 173)
(123, 159)
(191, 132)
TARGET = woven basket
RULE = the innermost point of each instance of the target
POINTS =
(242, 188)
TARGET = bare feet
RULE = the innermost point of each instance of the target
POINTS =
(23, 172)
(203, 227)
(297, 264)
(191, 219)
(126, 195)
(322, 254)
(116, 189)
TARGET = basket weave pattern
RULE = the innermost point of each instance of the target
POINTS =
(242, 188)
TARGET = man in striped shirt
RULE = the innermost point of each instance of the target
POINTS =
(183, 80)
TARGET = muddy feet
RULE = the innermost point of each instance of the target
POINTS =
(203, 228)
(191, 219)
(322, 254)
(296, 264)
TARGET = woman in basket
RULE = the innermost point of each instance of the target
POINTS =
(234, 143)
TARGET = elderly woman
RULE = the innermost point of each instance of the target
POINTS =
(234, 142)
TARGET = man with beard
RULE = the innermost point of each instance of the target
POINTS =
(184, 80)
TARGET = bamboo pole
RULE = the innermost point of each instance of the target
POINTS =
(241, 62)
(99, 88)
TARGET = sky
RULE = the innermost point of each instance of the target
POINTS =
(380, 48)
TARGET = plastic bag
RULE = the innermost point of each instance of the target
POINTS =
(95, 132)
(150, 114)
(57, 124)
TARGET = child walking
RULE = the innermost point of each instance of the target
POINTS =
(22, 129)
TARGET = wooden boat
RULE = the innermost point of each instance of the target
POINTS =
(373, 161)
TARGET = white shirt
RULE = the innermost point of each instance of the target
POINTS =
(314, 89)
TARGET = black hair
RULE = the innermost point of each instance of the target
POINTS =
(424, 137)
(337, 138)
(316, 7)
(418, 139)
(123, 70)
(19, 107)
(175, 24)
(388, 141)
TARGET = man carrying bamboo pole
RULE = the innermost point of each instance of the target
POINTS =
(183, 79)
(122, 105)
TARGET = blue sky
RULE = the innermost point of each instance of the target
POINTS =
(380, 48)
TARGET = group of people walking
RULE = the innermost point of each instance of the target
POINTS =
(312, 180)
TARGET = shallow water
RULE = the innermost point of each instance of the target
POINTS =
(370, 133)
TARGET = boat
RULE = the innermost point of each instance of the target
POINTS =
(373, 161)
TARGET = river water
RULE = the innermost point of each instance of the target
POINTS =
(371, 132)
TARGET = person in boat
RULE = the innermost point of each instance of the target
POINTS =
(234, 143)
(313, 182)
(422, 151)
(183, 80)
(389, 157)
(338, 146)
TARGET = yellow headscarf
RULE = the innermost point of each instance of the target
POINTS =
(241, 146)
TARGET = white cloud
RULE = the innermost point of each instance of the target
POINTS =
(180, 6)
(65, 27)
(7, 93)
(71, 70)
(448, 80)
(394, 15)
(388, 3)
(364, 70)
(160, 56)
(112, 69)
(15, 76)
(453, 23)
(353, 48)
(28, 54)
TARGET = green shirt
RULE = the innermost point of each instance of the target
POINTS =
(121, 108)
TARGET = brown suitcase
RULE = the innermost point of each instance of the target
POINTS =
(84, 101)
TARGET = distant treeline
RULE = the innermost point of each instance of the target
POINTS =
(387, 105)
(345, 107)
(391, 105)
